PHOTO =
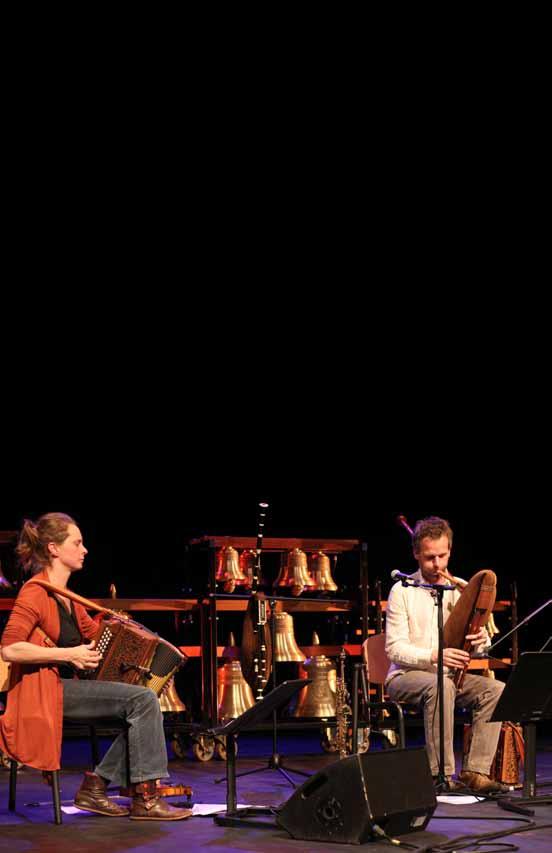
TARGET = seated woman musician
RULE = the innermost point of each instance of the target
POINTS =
(48, 641)
(412, 646)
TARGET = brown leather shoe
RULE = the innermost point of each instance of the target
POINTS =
(92, 797)
(450, 784)
(480, 783)
(148, 805)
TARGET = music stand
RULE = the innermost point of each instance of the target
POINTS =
(262, 709)
(527, 698)
(275, 760)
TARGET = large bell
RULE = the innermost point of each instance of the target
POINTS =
(249, 568)
(234, 693)
(286, 649)
(170, 701)
(321, 572)
(318, 698)
(295, 573)
(228, 569)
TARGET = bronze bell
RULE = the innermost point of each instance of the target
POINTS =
(248, 567)
(295, 573)
(234, 693)
(228, 569)
(286, 649)
(169, 700)
(321, 572)
(318, 698)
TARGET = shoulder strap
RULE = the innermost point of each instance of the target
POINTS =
(47, 641)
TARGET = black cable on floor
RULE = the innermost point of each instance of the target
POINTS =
(464, 841)
(444, 847)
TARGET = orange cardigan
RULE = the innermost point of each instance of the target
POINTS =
(30, 729)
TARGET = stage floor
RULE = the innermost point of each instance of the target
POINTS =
(31, 827)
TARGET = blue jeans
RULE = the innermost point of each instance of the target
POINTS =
(138, 754)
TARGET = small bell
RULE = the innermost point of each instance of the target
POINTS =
(249, 566)
(318, 698)
(234, 693)
(169, 700)
(295, 573)
(228, 569)
(321, 572)
(286, 649)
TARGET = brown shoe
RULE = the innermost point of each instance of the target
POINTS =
(92, 797)
(148, 805)
(450, 784)
(480, 783)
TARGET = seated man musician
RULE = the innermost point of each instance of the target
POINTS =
(412, 647)
(47, 641)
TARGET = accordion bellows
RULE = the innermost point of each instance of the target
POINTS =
(135, 655)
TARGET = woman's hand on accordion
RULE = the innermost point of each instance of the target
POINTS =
(84, 657)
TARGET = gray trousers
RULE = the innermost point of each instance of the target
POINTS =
(139, 753)
(479, 693)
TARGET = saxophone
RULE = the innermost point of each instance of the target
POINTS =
(342, 709)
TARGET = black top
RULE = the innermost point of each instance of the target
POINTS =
(69, 635)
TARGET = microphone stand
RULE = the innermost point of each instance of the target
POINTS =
(437, 590)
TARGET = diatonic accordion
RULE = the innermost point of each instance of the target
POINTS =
(135, 655)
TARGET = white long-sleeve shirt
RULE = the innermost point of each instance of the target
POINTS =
(411, 633)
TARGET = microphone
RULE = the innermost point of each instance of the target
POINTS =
(406, 580)
(400, 576)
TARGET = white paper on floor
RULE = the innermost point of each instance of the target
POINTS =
(213, 808)
(458, 800)
(200, 809)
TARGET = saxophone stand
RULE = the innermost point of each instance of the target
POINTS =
(269, 704)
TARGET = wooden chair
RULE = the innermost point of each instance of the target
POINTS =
(374, 669)
(53, 776)
(55, 791)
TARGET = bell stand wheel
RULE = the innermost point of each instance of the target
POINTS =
(203, 747)
(180, 744)
(327, 741)
(363, 744)
(220, 747)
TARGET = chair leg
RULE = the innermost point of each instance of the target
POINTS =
(55, 791)
(13, 785)
(55, 795)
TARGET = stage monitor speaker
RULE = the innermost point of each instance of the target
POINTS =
(390, 788)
